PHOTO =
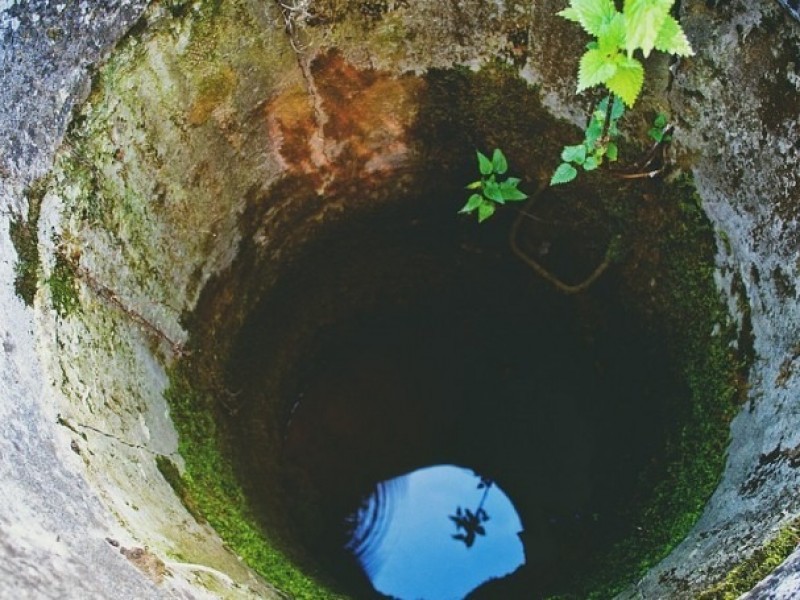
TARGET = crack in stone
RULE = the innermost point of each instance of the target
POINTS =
(72, 426)
(292, 15)
(111, 297)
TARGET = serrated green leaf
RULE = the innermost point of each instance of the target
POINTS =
(499, 162)
(644, 19)
(511, 193)
(593, 15)
(591, 163)
(492, 191)
(563, 174)
(485, 211)
(484, 164)
(612, 37)
(596, 67)
(570, 14)
(475, 185)
(514, 181)
(672, 40)
(473, 203)
(576, 154)
(612, 152)
(627, 81)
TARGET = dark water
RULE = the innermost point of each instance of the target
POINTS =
(401, 412)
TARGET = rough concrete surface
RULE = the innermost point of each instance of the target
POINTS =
(54, 524)
(745, 78)
(53, 528)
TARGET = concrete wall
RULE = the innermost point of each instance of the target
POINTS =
(738, 110)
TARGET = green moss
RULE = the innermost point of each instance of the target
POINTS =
(63, 288)
(24, 236)
(674, 257)
(172, 476)
(665, 274)
(210, 482)
(761, 563)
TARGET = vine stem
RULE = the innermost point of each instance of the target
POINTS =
(557, 283)
(607, 121)
(642, 164)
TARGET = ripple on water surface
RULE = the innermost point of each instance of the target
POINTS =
(436, 533)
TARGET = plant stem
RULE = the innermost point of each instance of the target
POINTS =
(562, 287)
(607, 121)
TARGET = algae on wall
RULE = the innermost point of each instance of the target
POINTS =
(143, 206)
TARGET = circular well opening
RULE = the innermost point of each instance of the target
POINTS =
(364, 332)
(407, 341)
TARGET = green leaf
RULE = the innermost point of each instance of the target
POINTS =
(591, 163)
(660, 120)
(570, 14)
(563, 174)
(576, 154)
(656, 133)
(672, 40)
(511, 193)
(475, 185)
(492, 192)
(644, 19)
(613, 35)
(593, 15)
(612, 151)
(499, 162)
(484, 164)
(627, 81)
(617, 109)
(473, 203)
(485, 211)
(512, 181)
(596, 67)
(593, 132)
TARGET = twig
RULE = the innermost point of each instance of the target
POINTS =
(293, 13)
(562, 287)
(638, 171)
(112, 298)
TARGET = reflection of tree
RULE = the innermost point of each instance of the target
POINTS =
(472, 522)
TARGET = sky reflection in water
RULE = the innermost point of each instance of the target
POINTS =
(404, 538)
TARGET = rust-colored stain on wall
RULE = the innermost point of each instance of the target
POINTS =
(353, 124)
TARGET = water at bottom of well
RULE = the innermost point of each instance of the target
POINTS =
(436, 533)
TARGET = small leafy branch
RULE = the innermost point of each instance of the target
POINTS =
(492, 188)
(597, 144)
(659, 132)
(609, 61)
